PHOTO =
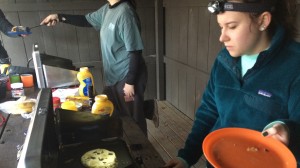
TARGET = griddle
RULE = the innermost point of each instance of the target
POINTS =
(77, 127)
(70, 155)
(80, 132)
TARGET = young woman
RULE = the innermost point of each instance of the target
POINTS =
(125, 70)
(255, 80)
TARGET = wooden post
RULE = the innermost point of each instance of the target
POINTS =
(160, 74)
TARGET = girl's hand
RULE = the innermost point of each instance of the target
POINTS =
(50, 20)
(128, 90)
(279, 132)
(175, 163)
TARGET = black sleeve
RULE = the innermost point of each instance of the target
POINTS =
(294, 144)
(76, 20)
(5, 25)
(134, 63)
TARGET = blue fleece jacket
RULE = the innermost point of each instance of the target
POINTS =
(268, 92)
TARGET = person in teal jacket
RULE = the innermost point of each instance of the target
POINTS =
(255, 79)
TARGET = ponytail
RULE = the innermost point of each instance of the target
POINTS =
(284, 14)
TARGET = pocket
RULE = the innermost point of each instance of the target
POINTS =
(266, 105)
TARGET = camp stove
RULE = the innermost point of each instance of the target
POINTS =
(59, 138)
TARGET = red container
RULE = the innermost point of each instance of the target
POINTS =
(8, 87)
(56, 102)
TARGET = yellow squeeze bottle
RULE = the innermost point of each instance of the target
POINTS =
(102, 105)
(86, 79)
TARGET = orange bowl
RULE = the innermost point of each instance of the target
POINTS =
(240, 147)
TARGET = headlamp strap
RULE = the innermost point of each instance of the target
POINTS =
(247, 7)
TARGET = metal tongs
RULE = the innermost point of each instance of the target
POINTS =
(35, 27)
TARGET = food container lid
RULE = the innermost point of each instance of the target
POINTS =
(101, 97)
(16, 85)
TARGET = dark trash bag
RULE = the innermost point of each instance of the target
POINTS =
(149, 108)
(3, 81)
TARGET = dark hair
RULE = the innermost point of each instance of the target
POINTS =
(132, 3)
(284, 14)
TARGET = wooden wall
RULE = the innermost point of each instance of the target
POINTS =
(190, 37)
(81, 45)
(189, 52)
(191, 45)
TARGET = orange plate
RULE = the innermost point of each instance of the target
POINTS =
(240, 147)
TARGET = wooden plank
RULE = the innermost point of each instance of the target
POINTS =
(88, 45)
(7, 1)
(182, 90)
(48, 6)
(150, 156)
(70, 40)
(298, 21)
(158, 146)
(183, 35)
(177, 115)
(168, 32)
(164, 139)
(168, 82)
(174, 85)
(31, 19)
(214, 44)
(203, 37)
(172, 81)
(193, 36)
(159, 37)
(175, 41)
(147, 29)
(174, 128)
(185, 3)
(49, 44)
(191, 95)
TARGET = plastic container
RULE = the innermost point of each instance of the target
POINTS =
(102, 105)
(56, 103)
(86, 79)
(17, 90)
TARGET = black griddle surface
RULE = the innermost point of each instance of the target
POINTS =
(70, 156)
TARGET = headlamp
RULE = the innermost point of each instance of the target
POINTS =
(219, 6)
(215, 7)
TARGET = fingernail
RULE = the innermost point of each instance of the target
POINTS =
(265, 133)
